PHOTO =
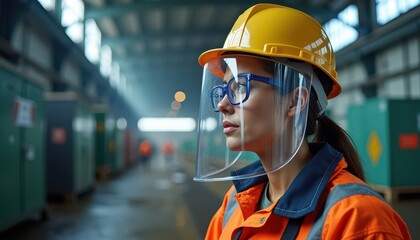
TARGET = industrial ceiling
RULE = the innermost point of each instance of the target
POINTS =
(157, 43)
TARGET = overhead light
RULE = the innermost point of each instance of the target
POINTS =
(180, 96)
(166, 124)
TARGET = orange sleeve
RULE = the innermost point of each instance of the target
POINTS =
(364, 217)
(214, 229)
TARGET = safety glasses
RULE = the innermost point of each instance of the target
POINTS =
(237, 89)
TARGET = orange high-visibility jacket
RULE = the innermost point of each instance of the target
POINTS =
(333, 204)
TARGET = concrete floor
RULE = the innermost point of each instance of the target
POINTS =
(153, 202)
(146, 202)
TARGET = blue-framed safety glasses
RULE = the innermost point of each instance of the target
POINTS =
(237, 89)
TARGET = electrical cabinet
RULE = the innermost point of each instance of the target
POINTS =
(105, 141)
(120, 150)
(22, 148)
(70, 144)
(386, 133)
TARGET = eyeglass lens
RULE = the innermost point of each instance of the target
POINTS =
(236, 90)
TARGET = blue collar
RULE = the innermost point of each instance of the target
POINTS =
(303, 194)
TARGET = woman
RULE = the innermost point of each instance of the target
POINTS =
(295, 173)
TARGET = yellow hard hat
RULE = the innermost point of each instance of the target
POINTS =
(277, 31)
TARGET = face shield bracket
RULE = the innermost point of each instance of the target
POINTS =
(322, 98)
(316, 84)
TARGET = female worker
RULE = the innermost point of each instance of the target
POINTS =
(262, 124)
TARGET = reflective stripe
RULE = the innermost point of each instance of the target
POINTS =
(339, 193)
(230, 208)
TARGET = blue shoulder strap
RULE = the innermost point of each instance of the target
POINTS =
(292, 228)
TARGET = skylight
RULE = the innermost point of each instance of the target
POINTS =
(72, 19)
(92, 41)
(387, 10)
(342, 30)
(47, 4)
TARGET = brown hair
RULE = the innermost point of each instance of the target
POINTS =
(326, 130)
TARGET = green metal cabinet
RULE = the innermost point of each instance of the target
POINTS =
(120, 150)
(111, 140)
(84, 148)
(70, 142)
(105, 141)
(100, 140)
(386, 134)
(22, 165)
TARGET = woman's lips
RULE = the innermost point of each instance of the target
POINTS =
(229, 127)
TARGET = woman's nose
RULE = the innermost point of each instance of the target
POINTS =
(224, 106)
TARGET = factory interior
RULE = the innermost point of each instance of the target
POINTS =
(100, 111)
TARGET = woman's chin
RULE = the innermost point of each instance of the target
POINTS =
(234, 145)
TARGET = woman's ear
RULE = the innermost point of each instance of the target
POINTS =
(299, 100)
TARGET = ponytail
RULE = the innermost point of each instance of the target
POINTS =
(326, 130)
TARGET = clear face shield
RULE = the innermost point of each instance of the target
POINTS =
(252, 109)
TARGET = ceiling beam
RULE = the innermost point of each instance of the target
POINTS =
(166, 71)
(319, 2)
(169, 55)
(144, 64)
(403, 27)
(166, 36)
(170, 66)
(112, 10)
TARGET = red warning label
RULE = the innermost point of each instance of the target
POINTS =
(409, 141)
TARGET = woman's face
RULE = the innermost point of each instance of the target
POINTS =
(251, 126)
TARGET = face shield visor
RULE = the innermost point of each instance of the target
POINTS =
(252, 110)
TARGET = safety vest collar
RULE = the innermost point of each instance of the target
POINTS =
(303, 194)
(244, 184)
